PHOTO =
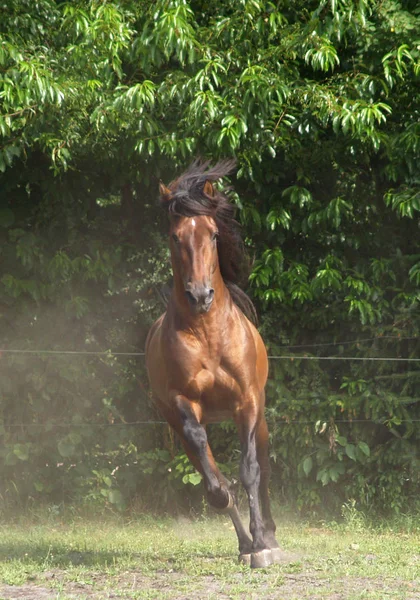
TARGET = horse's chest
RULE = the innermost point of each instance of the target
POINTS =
(221, 396)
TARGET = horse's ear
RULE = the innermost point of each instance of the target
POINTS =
(208, 189)
(165, 192)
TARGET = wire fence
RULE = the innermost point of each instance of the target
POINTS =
(110, 353)
(284, 346)
(139, 423)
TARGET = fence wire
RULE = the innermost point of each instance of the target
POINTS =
(136, 423)
(110, 353)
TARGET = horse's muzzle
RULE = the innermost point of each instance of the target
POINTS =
(200, 297)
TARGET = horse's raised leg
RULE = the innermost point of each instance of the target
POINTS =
(250, 473)
(245, 544)
(194, 439)
(263, 460)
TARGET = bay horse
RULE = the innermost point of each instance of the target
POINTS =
(206, 360)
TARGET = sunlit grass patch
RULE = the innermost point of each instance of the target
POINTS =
(169, 558)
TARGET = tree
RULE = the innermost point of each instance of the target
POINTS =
(319, 103)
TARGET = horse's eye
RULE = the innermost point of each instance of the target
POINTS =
(214, 236)
(175, 238)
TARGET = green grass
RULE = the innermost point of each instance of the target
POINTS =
(168, 559)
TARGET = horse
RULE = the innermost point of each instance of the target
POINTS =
(206, 361)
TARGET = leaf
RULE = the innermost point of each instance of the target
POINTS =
(21, 451)
(195, 478)
(307, 465)
(65, 448)
(364, 448)
(115, 497)
(351, 451)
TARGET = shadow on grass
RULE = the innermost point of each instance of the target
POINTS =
(56, 555)
(44, 556)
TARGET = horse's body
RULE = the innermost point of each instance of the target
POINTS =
(206, 360)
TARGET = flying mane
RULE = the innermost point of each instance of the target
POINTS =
(187, 198)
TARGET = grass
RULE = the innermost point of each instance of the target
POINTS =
(169, 559)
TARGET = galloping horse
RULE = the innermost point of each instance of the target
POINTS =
(206, 360)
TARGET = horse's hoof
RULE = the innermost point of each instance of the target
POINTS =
(277, 556)
(245, 559)
(261, 559)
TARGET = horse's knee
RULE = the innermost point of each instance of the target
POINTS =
(196, 436)
(192, 431)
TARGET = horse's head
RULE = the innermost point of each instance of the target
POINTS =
(193, 244)
(206, 246)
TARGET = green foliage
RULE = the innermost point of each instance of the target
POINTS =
(319, 103)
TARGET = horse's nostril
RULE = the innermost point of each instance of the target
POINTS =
(191, 298)
(200, 297)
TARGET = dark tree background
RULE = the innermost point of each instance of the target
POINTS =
(319, 103)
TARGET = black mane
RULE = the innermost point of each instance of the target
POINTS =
(187, 198)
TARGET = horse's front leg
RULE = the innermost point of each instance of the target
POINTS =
(250, 474)
(194, 439)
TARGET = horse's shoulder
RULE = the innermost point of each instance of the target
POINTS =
(154, 328)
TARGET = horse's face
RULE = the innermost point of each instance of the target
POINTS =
(193, 243)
